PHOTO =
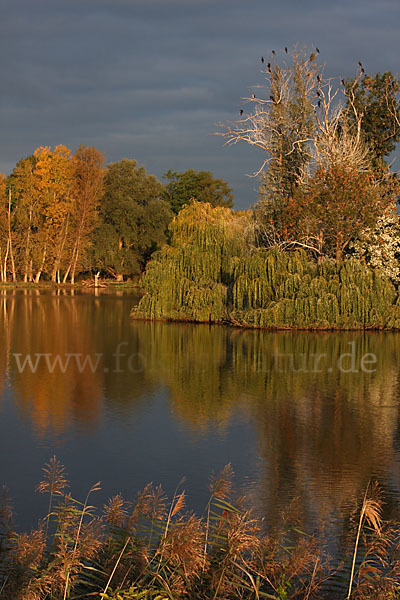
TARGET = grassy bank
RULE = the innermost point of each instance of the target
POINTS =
(79, 285)
(152, 548)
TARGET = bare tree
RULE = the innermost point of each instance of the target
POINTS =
(299, 119)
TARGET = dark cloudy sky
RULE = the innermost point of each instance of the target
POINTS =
(151, 79)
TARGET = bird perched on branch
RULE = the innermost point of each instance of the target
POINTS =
(317, 49)
(312, 56)
(273, 52)
(241, 111)
(285, 49)
(253, 95)
(262, 59)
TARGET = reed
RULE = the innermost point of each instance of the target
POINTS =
(153, 549)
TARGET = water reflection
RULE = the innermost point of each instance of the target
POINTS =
(35, 325)
(322, 407)
(324, 425)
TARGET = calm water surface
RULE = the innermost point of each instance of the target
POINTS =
(306, 416)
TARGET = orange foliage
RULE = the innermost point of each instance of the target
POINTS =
(335, 206)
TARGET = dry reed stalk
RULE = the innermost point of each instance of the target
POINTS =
(371, 511)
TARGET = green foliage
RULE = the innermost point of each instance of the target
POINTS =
(188, 279)
(376, 100)
(196, 185)
(211, 273)
(132, 219)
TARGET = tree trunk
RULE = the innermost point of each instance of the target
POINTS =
(14, 276)
(30, 271)
(67, 273)
(77, 245)
(27, 249)
(39, 273)
(55, 276)
(4, 269)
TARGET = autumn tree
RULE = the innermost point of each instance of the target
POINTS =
(196, 185)
(133, 219)
(54, 184)
(88, 177)
(27, 221)
(336, 202)
(337, 205)
(6, 238)
(3, 230)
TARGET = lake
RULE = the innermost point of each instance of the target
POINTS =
(304, 417)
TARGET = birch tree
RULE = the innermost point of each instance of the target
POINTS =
(88, 175)
(54, 181)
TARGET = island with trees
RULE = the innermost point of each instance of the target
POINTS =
(320, 249)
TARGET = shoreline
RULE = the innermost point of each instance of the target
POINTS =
(271, 328)
(50, 285)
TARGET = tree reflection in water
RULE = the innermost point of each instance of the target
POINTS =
(322, 432)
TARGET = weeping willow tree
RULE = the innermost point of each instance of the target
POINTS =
(191, 278)
(211, 272)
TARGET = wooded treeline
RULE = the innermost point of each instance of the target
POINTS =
(326, 188)
(64, 214)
